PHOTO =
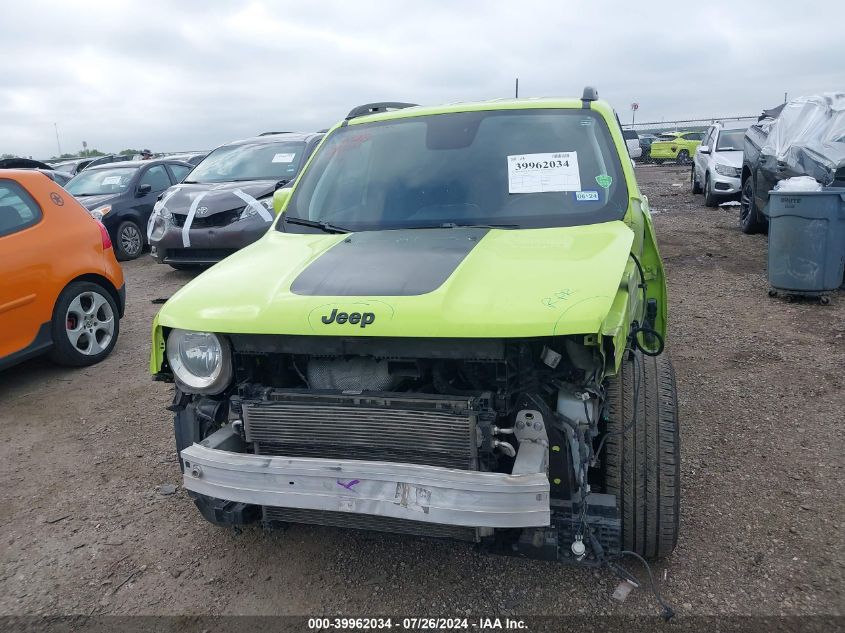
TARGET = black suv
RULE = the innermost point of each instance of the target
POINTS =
(122, 196)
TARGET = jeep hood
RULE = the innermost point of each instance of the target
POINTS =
(460, 282)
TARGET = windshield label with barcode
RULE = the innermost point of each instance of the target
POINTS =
(540, 173)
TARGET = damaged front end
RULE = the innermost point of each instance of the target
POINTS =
(485, 440)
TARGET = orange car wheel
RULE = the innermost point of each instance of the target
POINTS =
(85, 326)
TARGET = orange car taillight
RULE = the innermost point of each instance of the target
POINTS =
(104, 234)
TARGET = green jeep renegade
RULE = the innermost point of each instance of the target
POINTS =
(453, 328)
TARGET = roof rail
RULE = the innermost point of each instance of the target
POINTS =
(271, 133)
(590, 94)
(373, 108)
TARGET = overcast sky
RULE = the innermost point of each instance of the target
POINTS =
(194, 74)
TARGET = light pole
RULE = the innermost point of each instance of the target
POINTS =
(634, 107)
(58, 144)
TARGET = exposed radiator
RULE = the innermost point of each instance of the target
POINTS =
(416, 429)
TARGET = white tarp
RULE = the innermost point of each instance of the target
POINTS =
(808, 136)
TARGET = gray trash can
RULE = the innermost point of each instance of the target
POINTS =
(806, 240)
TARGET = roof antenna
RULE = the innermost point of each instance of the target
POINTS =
(516, 95)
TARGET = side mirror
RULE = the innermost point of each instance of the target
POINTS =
(280, 199)
(704, 149)
(143, 190)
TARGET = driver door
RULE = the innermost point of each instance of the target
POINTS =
(158, 179)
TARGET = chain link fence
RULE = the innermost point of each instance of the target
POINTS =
(684, 125)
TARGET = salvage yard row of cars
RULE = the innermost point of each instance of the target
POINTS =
(466, 313)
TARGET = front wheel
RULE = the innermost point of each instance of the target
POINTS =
(709, 197)
(85, 325)
(696, 186)
(642, 461)
(129, 242)
(683, 157)
(749, 217)
(188, 267)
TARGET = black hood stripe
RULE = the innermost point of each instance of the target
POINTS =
(388, 263)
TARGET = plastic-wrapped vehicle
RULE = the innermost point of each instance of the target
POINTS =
(453, 328)
(804, 137)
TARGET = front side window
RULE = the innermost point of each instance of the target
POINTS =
(157, 178)
(250, 161)
(516, 168)
(17, 208)
(98, 182)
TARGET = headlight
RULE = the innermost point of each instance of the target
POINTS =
(99, 212)
(727, 170)
(201, 361)
(249, 210)
(160, 220)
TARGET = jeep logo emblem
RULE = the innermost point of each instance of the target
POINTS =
(353, 318)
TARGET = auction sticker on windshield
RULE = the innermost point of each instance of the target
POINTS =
(283, 158)
(540, 173)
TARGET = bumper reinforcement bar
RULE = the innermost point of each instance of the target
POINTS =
(403, 491)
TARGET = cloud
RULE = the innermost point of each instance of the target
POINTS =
(193, 74)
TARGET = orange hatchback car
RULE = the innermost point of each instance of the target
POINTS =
(61, 288)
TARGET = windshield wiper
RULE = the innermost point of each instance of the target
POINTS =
(454, 225)
(190, 182)
(323, 226)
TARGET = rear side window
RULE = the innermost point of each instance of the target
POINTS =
(629, 135)
(17, 208)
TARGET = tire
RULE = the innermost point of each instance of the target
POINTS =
(696, 187)
(683, 157)
(85, 326)
(188, 267)
(642, 466)
(749, 216)
(129, 241)
(710, 199)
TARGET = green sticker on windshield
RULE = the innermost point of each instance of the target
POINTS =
(604, 181)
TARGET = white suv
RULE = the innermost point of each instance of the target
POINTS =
(632, 142)
(717, 165)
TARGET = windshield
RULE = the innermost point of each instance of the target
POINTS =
(525, 168)
(730, 140)
(253, 161)
(96, 182)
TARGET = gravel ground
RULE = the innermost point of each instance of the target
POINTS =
(87, 531)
